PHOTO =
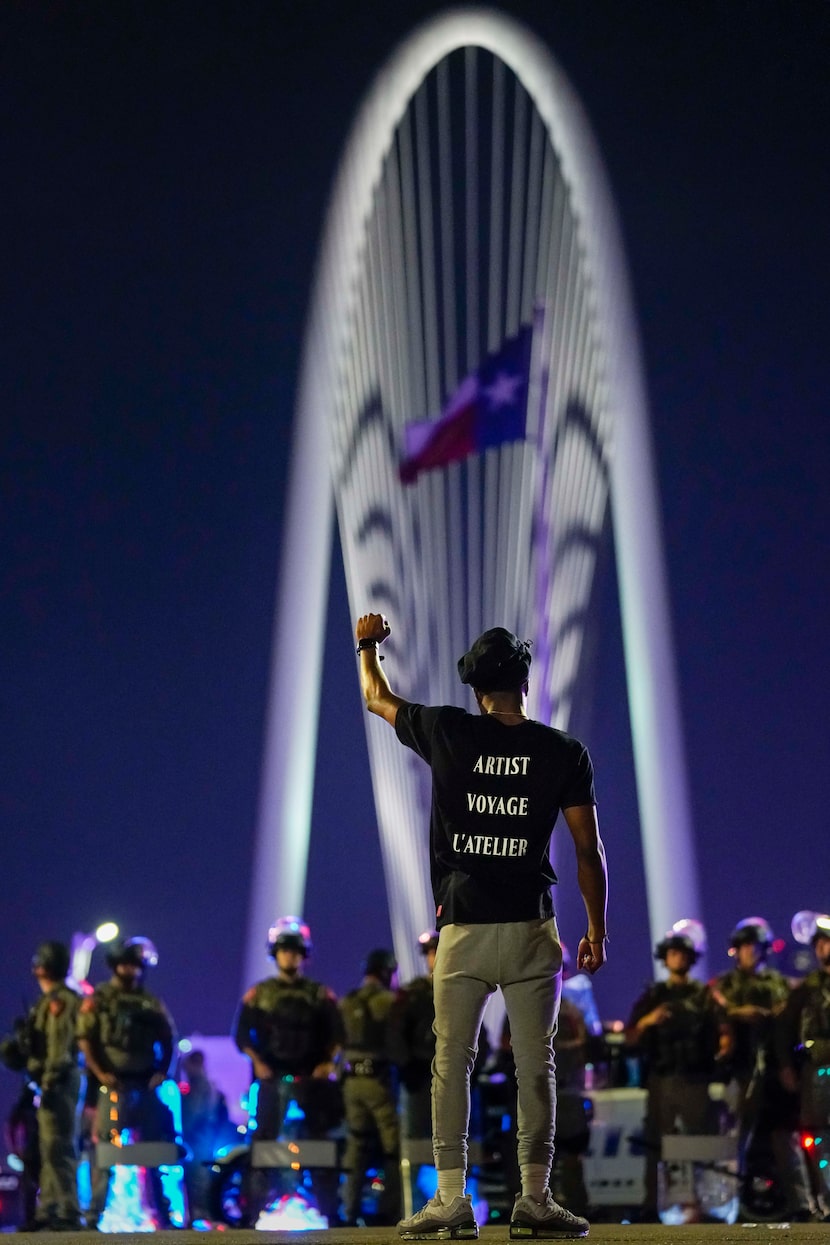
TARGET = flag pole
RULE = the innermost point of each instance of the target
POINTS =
(537, 396)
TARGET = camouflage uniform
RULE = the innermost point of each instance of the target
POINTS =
(763, 988)
(369, 1097)
(411, 1046)
(132, 1037)
(763, 1105)
(53, 1066)
(678, 1059)
(803, 1045)
(293, 1026)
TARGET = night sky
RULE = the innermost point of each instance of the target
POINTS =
(166, 169)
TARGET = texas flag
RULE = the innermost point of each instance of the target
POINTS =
(488, 408)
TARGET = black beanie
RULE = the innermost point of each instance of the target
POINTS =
(498, 661)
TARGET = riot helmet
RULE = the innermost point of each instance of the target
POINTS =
(381, 963)
(822, 935)
(675, 941)
(53, 958)
(752, 930)
(695, 930)
(807, 927)
(289, 933)
(428, 941)
(139, 951)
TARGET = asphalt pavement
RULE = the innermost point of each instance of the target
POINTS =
(601, 1234)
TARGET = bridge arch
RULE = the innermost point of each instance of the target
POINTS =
(470, 204)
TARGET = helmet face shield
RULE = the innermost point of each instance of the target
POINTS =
(694, 930)
(752, 931)
(676, 942)
(139, 952)
(291, 942)
(289, 933)
(820, 941)
(808, 927)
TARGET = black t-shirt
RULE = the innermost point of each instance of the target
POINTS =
(496, 793)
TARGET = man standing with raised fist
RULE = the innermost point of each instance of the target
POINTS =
(499, 782)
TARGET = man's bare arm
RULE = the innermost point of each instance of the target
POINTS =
(592, 876)
(377, 693)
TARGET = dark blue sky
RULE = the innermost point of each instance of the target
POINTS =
(166, 169)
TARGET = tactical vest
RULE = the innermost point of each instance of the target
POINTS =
(288, 1026)
(687, 1042)
(134, 1031)
(753, 1042)
(365, 1028)
(51, 1040)
(420, 1015)
(762, 989)
(814, 1021)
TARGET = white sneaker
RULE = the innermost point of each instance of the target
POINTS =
(437, 1222)
(547, 1219)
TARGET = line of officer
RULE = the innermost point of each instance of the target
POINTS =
(126, 1036)
(290, 1028)
(368, 1089)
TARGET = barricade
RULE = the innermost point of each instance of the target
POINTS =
(139, 1154)
(296, 1155)
(698, 1178)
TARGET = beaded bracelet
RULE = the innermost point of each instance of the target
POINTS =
(365, 644)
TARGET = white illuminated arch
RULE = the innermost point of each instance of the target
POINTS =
(509, 538)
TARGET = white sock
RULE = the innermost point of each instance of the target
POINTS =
(451, 1184)
(534, 1180)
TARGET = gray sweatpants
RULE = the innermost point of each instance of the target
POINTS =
(524, 958)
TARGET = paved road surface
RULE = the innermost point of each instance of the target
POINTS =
(601, 1234)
